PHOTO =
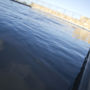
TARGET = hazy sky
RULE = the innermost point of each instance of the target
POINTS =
(79, 6)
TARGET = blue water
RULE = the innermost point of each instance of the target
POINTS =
(37, 52)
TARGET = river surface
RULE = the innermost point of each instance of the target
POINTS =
(37, 52)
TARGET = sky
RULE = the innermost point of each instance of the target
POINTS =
(81, 7)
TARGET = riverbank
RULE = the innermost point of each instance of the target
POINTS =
(83, 22)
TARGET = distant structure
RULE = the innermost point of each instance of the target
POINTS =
(83, 22)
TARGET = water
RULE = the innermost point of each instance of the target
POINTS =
(37, 52)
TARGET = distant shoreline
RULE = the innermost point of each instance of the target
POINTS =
(83, 22)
